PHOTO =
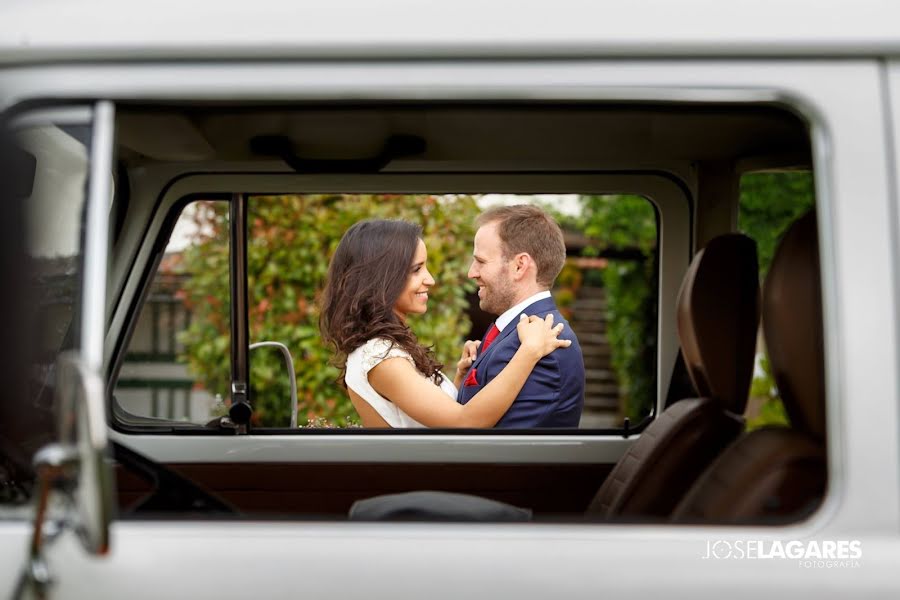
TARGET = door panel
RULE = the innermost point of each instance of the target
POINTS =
(330, 488)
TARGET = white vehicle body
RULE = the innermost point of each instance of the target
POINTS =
(836, 64)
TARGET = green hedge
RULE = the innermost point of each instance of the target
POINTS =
(628, 223)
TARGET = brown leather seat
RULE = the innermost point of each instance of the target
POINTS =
(778, 474)
(718, 317)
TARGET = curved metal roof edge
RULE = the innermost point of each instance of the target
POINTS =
(60, 30)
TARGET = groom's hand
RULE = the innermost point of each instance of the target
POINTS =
(469, 353)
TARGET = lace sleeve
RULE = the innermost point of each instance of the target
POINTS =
(376, 350)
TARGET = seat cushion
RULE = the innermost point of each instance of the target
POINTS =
(773, 475)
(658, 469)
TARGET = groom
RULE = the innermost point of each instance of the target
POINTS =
(519, 251)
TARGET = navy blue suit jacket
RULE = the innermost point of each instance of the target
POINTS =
(553, 395)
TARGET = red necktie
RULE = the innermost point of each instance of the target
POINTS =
(492, 334)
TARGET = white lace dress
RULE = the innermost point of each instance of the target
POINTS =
(362, 360)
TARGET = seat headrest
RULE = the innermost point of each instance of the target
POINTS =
(718, 317)
(792, 323)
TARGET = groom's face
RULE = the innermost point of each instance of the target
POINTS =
(492, 272)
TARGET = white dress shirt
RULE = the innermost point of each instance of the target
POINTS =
(513, 313)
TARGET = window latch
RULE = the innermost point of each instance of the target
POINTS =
(241, 411)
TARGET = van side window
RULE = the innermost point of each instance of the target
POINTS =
(56, 143)
(177, 363)
(187, 306)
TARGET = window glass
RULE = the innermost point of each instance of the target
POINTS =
(187, 306)
(55, 145)
(617, 303)
(53, 224)
(177, 366)
(607, 290)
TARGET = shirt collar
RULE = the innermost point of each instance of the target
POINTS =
(507, 317)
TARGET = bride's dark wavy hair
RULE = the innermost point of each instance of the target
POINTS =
(367, 274)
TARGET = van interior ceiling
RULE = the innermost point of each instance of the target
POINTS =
(464, 137)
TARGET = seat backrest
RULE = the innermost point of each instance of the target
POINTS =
(718, 317)
(778, 474)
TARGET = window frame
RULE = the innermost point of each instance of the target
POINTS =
(856, 195)
(668, 194)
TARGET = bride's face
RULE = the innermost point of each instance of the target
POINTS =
(414, 297)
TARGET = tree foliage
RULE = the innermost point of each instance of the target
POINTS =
(291, 240)
(770, 202)
(623, 226)
(771, 410)
(628, 223)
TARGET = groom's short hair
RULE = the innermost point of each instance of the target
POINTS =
(527, 228)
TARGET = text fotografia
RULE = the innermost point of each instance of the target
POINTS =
(813, 554)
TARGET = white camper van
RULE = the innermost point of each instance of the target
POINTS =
(140, 459)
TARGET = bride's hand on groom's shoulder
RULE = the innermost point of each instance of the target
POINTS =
(540, 336)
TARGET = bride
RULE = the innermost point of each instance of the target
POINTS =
(377, 279)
